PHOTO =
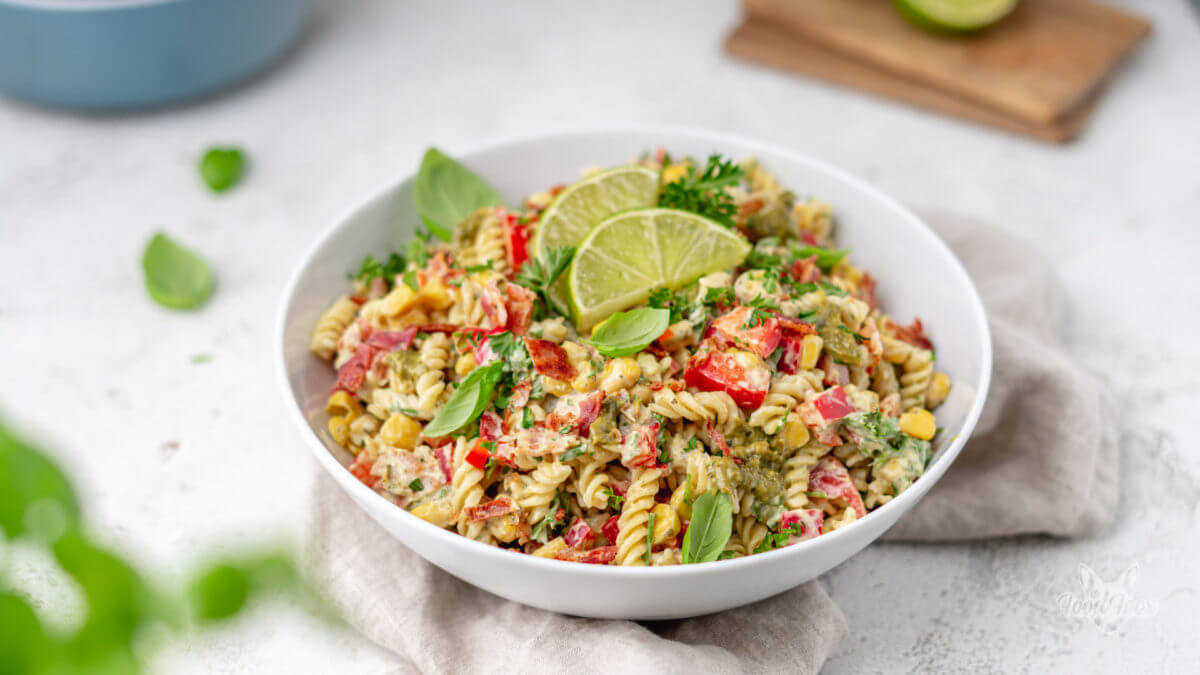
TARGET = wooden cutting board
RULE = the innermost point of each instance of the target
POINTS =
(1039, 71)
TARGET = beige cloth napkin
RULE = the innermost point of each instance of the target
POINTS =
(1042, 460)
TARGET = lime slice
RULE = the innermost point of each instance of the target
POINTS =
(577, 209)
(953, 16)
(634, 252)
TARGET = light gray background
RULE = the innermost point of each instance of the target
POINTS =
(93, 368)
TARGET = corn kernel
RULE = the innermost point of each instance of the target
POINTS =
(810, 351)
(464, 365)
(585, 381)
(795, 432)
(505, 528)
(412, 317)
(666, 525)
(918, 423)
(440, 512)
(434, 295)
(339, 429)
(398, 301)
(400, 431)
(679, 500)
(555, 545)
(939, 389)
(555, 387)
(539, 200)
(674, 172)
(342, 404)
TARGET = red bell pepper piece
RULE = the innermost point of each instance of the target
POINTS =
(361, 468)
(762, 337)
(641, 447)
(518, 242)
(809, 521)
(610, 529)
(831, 478)
(478, 455)
(833, 405)
(740, 374)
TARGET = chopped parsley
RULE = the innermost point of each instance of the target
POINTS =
(650, 536)
(539, 274)
(576, 451)
(416, 485)
(759, 311)
(705, 192)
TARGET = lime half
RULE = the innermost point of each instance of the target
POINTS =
(634, 252)
(577, 209)
(953, 16)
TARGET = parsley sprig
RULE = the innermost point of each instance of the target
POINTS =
(539, 274)
(760, 311)
(705, 192)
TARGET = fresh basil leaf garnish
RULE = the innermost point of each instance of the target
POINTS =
(446, 192)
(467, 402)
(626, 333)
(711, 525)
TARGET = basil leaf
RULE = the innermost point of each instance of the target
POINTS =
(175, 276)
(712, 523)
(826, 257)
(222, 167)
(467, 402)
(446, 192)
(27, 478)
(626, 333)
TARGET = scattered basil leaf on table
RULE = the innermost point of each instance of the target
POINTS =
(712, 522)
(175, 276)
(467, 402)
(827, 258)
(446, 192)
(221, 168)
(626, 333)
(120, 603)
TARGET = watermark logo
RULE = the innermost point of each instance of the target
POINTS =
(1109, 604)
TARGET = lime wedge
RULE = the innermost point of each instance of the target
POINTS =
(953, 16)
(634, 252)
(577, 209)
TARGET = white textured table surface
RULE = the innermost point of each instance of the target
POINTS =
(107, 379)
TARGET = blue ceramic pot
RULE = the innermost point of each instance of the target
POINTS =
(115, 54)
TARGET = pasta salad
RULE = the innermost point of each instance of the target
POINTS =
(663, 363)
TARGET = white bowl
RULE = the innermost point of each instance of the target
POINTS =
(917, 273)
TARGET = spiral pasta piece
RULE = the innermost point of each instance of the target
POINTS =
(330, 327)
(466, 308)
(635, 514)
(795, 473)
(696, 407)
(435, 356)
(918, 371)
(787, 391)
(466, 490)
(491, 244)
(541, 488)
(590, 485)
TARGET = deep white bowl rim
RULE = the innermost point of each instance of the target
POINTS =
(746, 563)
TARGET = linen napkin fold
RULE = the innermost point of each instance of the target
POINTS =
(1042, 460)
